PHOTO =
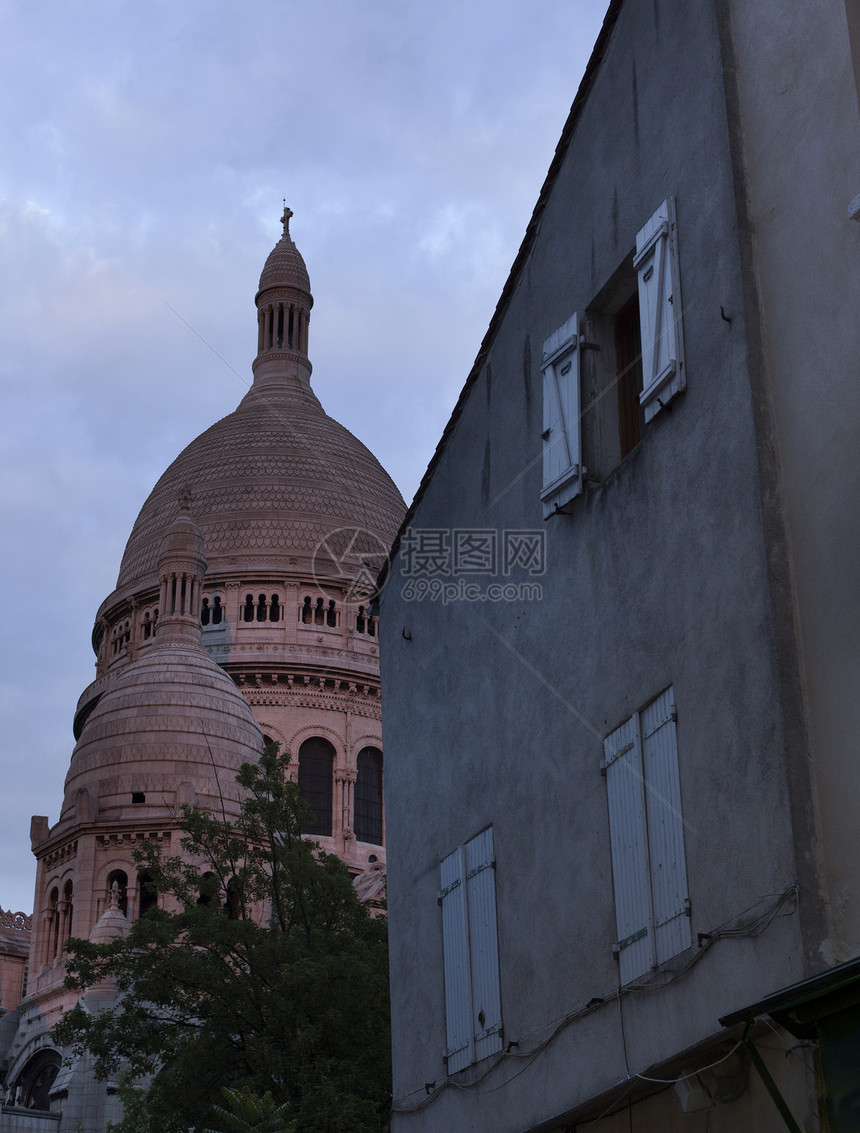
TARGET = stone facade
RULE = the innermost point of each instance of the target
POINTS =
(240, 612)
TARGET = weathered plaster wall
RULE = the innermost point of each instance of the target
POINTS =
(800, 146)
(494, 713)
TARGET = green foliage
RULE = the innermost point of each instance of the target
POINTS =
(247, 1112)
(264, 973)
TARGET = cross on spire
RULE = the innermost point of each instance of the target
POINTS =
(285, 219)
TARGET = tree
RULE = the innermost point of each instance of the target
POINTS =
(246, 1112)
(264, 972)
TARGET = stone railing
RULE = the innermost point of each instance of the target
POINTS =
(15, 920)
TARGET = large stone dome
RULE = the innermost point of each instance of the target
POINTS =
(173, 725)
(269, 483)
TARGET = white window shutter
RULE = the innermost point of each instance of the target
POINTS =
(562, 472)
(455, 948)
(628, 836)
(672, 929)
(483, 941)
(660, 310)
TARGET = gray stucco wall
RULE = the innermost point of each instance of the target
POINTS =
(799, 145)
(494, 713)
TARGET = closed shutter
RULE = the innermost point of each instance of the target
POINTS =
(562, 477)
(484, 944)
(656, 263)
(646, 833)
(473, 1010)
(458, 980)
(665, 828)
(628, 836)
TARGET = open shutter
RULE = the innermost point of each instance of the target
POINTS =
(455, 948)
(484, 944)
(625, 788)
(656, 263)
(670, 898)
(562, 475)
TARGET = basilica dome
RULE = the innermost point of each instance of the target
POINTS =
(275, 480)
(269, 483)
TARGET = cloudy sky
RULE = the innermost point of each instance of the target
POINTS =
(145, 149)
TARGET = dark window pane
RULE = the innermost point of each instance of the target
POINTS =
(316, 766)
(368, 796)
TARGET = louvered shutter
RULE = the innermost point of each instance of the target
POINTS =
(628, 837)
(562, 477)
(455, 948)
(672, 930)
(484, 945)
(656, 264)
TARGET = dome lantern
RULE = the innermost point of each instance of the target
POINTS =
(284, 303)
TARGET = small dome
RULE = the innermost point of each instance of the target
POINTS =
(171, 718)
(285, 266)
(111, 924)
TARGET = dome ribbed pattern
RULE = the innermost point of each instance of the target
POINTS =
(285, 267)
(268, 482)
(172, 717)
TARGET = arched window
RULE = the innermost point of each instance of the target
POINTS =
(306, 612)
(367, 798)
(68, 911)
(217, 611)
(319, 613)
(233, 904)
(205, 612)
(53, 926)
(331, 614)
(208, 888)
(121, 878)
(33, 1087)
(147, 626)
(147, 894)
(248, 608)
(261, 608)
(274, 609)
(360, 621)
(316, 767)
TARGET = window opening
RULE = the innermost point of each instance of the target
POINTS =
(316, 767)
(368, 796)
(248, 610)
(628, 366)
(306, 612)
(204, 612)
(119, 878)
(331, 614)
(274, 609)
(233, 903)
(217, 611)
(261, 608)
(147, 893)
(319, 613)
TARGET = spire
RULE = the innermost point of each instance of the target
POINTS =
(284, 303)
(181, 564)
